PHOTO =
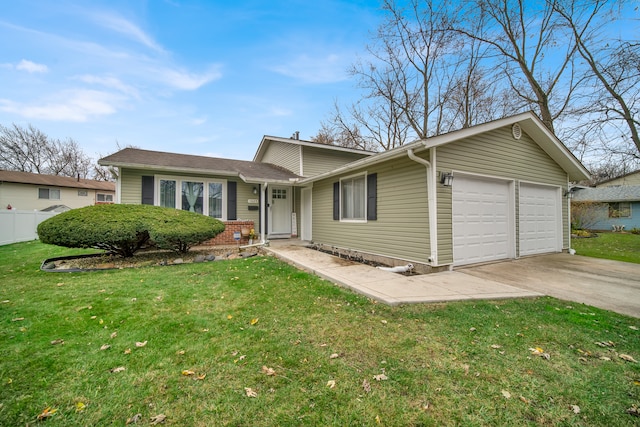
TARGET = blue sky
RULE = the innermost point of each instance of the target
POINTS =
(194, 77)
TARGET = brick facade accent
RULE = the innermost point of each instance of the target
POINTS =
(226, 237)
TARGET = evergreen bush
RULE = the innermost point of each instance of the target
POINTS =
(124, 229)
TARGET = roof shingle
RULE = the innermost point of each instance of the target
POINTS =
(147, 159)
(55, 180)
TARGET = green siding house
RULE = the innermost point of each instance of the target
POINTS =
(490, 192)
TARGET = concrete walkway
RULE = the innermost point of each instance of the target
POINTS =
(394, 288)
(610, 285)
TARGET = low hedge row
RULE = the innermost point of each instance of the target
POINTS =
(124, 229)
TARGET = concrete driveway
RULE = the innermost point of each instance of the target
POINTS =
(602, 283)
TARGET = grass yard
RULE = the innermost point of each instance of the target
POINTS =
(616, 246)
(257, 342)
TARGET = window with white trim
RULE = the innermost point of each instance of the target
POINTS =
(49, 193)
(620, 210)
(353, 196)
(104, 198)
(198, 195)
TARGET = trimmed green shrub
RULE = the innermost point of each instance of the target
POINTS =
(124, 229)
(178, 230)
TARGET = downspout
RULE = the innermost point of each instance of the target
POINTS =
(263, 213)
(431, 200)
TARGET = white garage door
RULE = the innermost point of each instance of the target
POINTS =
(540, 219)
(480, 209)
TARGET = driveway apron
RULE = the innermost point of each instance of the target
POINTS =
(607, 284)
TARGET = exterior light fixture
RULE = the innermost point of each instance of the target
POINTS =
(569, 193)
(255, 190)
(446, 179)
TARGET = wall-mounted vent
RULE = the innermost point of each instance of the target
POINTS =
(516, 130)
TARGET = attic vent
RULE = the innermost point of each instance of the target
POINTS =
(516, 130)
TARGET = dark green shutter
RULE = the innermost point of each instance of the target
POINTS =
(372, 197)
(232, 200)
(336, 201)
(147, 190)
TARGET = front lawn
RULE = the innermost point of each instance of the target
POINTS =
(616, 246)
(257, 342)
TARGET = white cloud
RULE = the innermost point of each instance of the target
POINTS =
(31, 67)
(328, 69)
(128, 29)
(74, 106)
(110, 82)
(198, 121)
(185, 80)
(279, 112)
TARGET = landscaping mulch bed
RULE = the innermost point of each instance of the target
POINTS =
(146, 258)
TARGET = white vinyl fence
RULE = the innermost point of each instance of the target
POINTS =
(20, 226)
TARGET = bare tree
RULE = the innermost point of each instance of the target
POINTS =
(535, 55)
(402, 78)
(420, 79)
(613, 67)
(30, 150)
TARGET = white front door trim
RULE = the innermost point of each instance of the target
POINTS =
(306, 205)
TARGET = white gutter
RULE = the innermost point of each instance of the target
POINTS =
(263, 213)
(431, 200)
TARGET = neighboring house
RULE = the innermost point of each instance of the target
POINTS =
(615, 207)
(632, 178)
(491, 192)
(32, 191)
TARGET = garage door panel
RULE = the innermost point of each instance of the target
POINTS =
(540, 219)
(480, 220)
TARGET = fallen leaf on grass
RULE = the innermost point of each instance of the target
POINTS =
(634, 410)
(158, 419)
(524, 399)
(118, 369)
(496, 346)
(105, 347)
(48, 412)
(17, 319)
(200, 377)
(254, 321)
(268, 371)
(575, 409)
(113, 335)
(58, 341)
(605, 358)
(188, 372)
(334, 356)
(381, 377)
(539, 352)
(250, 392)
(506, 394)
(134, 419)
(141, 344)
(331, 383)
(627, 358)
(635, 328)
(605, 343)
(80, 406)
(366, 386)
(127, 351)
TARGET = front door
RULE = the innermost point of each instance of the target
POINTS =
(280, 212)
